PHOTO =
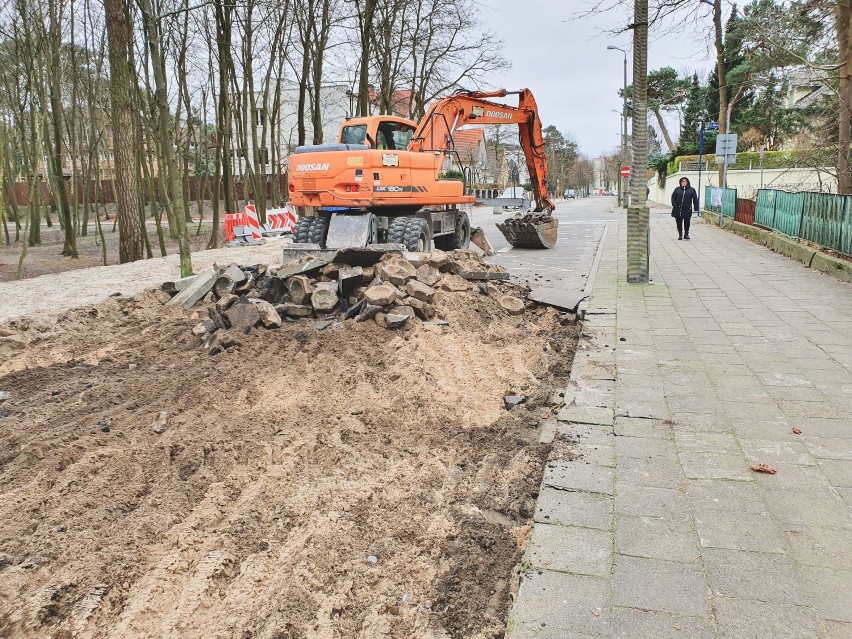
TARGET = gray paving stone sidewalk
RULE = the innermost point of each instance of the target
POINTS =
(732, 356)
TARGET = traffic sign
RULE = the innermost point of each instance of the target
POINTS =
(726, 147)
(625, 171)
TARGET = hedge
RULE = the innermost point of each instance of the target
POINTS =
(771, 159)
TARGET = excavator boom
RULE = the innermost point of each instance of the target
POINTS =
(435, 130)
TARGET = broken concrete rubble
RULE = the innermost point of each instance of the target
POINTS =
(396, 320)
(422, 309)
(327, 289)
(228, 279)
(510, 401)
(395, 272)
(324, 297)
(268, 315)
(195, 290)
(243, 315)
(225, 301)
(161, 423)
(454, 283)
(350, 277)
(300, 289)
(420, 291)
(511, 305)
(438, 259)
(429, 275)
(297, 310)
(380, 295)
(205, 326)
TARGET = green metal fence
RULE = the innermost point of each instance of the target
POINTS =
(729, 201)
(845, 241)
(821, 218)
(788, 212)
(764, 213)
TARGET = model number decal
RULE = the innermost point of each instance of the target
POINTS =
(392, 189)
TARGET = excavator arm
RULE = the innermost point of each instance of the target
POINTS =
(435, 131)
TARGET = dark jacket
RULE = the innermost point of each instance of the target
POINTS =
(684, 200)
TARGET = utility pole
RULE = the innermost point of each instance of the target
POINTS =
(622, 181)
(638, 215)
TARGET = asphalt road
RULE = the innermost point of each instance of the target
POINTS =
(559, 273)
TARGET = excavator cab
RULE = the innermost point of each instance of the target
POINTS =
(382, 133)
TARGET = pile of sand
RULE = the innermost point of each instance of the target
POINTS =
(346, 482)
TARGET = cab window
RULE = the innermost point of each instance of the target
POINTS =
(394, 135)
(355, 134)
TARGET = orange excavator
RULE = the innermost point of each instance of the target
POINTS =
(381, 184)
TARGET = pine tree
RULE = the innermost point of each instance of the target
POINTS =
(694, 113)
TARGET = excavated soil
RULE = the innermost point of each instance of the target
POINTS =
(351, 482)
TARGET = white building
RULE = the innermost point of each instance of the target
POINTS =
(336, 103)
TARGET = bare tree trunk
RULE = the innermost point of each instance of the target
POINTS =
(664, 130)
(365, 24)
(121, 82)
(166, 136)
(843, 16)
(69, 248)
(224, 21)
(721, 73)
(638, 213)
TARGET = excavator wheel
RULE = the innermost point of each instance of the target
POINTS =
(412, 232)
(319, 230)
(303, 229)
(458, 240)
(311, 230)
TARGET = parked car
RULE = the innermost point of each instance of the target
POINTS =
(570, 194)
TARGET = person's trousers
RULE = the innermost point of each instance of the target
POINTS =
(683, 225)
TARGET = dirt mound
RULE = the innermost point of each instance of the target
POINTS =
(346, 482)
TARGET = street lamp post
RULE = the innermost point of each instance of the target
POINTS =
(622, 183)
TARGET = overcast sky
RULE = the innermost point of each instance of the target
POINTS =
(563, 60)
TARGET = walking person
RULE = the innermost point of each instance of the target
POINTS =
(683, 199)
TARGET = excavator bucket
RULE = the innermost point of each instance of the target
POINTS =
(530, 231)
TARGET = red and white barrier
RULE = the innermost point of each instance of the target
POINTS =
(253, 222)
(281, 219)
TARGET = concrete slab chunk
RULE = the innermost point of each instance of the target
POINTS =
(196, 290)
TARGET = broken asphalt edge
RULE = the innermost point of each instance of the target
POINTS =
(593, 273)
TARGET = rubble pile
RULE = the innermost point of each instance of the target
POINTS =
(397, 291)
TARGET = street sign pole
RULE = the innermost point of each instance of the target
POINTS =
(700, 162)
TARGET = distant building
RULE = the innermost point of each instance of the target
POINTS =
(804, 88)
(470, 150)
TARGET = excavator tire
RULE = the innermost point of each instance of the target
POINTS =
(318, 230)
(396, 229)
(458, 240)
(416, 238)
(303, 229)
(411, 232)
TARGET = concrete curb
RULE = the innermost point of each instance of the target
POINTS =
(593, 273)
(789, 246)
